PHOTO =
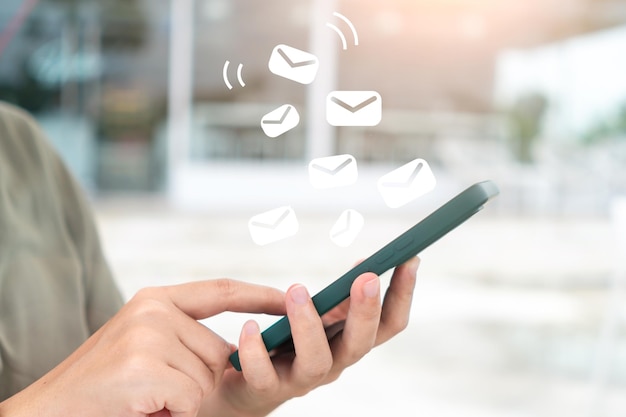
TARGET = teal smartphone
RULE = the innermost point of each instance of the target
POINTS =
(398, 251)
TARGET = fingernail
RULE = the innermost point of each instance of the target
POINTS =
(251, 328)
(414, 265)
(299, 294)
(370, 289)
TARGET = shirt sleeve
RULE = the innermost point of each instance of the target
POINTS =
(102, 297)
(56, 288)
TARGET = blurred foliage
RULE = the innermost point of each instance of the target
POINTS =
(525, 118)
(128, 113)
(610, 128)
(124, 23)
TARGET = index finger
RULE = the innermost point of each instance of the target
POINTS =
(204, 299)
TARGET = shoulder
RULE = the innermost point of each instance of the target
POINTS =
(22, 141)
(14, 117)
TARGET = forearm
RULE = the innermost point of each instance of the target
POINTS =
(32, 401)
(220, 404)
(13, 407)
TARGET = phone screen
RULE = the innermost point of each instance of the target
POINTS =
(401, 249)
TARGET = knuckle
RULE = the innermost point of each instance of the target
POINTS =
(264, 387)
(136, 363)
(226, 287)
(139, 330)
(208, 382)
(333, 376)
(207, 385)
(137, 337)
(354, 355)
(142, 404)
(226, 351)
(398, 324)
(148, 293)
(298, 392)
(193, 398)
(216, 364)
(317, 370)
(218, 359)
(149, 308)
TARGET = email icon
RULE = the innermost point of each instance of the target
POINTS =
(406, 183)
(279, 121)
(354, 108)
(347, 228)
(274, 225)
(333, 171)
(293, 64)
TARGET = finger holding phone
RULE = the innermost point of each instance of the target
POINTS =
(153, 357)
(268, 379)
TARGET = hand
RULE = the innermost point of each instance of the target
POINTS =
(152, 357)
(267, 381)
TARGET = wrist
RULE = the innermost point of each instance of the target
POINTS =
(19, 405)
(217, 405)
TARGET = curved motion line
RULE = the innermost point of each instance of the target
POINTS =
(239, 77)
(344, 43)
(225, 75)
(352, 28)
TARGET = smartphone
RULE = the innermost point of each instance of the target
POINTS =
(398, 251)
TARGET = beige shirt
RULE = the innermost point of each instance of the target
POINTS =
(55, 286)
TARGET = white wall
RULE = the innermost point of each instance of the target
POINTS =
(584, 79)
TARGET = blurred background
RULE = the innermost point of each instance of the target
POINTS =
(520, 312)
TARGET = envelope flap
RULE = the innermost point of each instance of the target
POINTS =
(332, 164)
(295, 57)
(279, 115)
(353, 100)
(406, 174)
(271, 219)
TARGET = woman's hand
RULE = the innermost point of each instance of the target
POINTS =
(266, 382)
(152, 357)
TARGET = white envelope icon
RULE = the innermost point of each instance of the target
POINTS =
(354, 108)
(406, 183)
(346, 228)
(273, 225)
(293, 64)
(279, 121)
(333, 171)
